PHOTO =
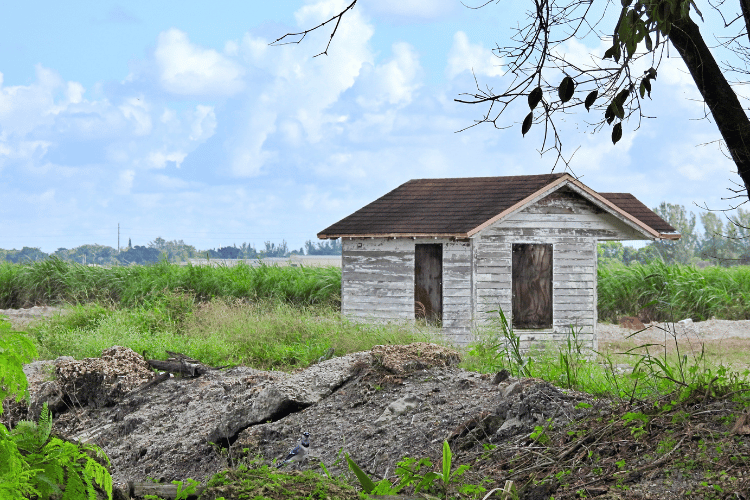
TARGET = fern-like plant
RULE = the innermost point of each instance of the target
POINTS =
(32, 463)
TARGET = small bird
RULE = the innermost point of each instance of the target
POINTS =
(298, 453)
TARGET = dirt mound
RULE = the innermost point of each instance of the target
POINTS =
(404, 359)
(379, 407)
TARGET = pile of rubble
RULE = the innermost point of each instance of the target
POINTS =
(378, 406)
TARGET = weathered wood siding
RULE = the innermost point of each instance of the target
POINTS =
(457, 292)
(377, 279)
(572, 225)
(377, 282)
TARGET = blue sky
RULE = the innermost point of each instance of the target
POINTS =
(177, 120)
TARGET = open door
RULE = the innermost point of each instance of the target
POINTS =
(428, 282)
(532, 286)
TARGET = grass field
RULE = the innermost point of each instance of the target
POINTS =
(286, 317)
(664, 292)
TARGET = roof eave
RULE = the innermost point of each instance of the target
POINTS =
(670, 236)
(596, 198)
(325, 236)
(537, 195)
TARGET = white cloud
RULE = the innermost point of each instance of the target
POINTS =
(204, 123)
(466, 56)
(136, 110)
(297, 90)
(188, 69)
(699, 158)
(159, 159)
(125, 182)
(75, 92)
(413, 9)
(24, 107)
(394, 82)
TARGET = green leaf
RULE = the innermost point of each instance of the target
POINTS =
(649, 43)
(364, 480)
(610, 52)
(630, 46)
(622, 96)
(665, 28)
(590, 99)
(426, 481)
(617, 132)
(663, 11)
(447, 457)
(527, 123)
(566, 88)
(625, 30)
(647, 83)
(618, 109)
(651, 73)
(609, 114)
(534, 97)
(643, 88)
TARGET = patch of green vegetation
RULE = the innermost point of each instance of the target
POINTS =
(657, 370)
(33, 462)
(53, 281)
(268, 334)
(267, 483)
(676, 290)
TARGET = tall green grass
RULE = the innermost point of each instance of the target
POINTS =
(661, 291)
(673, 292)
(266, 334)
(54, 281)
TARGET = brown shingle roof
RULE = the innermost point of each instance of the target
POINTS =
(455, 207)
(631, 205)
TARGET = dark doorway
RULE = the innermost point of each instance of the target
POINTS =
(428, 282)
(532, 286)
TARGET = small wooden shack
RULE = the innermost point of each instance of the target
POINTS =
(454, 251)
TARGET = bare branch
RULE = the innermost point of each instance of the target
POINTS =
(302, 34)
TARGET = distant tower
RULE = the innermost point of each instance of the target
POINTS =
(130, 245)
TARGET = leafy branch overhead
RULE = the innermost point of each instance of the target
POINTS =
(612, 86)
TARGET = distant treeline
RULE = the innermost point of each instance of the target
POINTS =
(172, 251)
(725, 240)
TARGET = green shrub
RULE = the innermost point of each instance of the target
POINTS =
(33, 464)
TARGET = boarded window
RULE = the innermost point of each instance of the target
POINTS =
(532, 286)
(428, 282)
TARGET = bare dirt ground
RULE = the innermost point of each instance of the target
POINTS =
(20, 318)
(721, 340)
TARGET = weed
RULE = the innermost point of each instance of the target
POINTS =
(411, 474)
(500, 348)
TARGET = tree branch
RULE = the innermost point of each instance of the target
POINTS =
(303, 34)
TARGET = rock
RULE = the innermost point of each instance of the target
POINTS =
(288, 395)
(398, 407)
(47, 392)
(631, 323)
(510, 426)
(513, 389)
(501, 376)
